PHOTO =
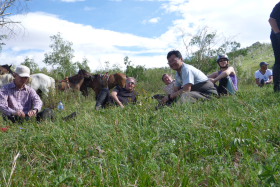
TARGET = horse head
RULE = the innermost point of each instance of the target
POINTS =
(84, 73)
(5, 69)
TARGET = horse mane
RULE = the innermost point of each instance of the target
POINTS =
(75, 78)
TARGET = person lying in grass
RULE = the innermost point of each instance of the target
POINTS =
(119, 96)
(169, 87)
(226, 76)
(169, 82)
(191, 83)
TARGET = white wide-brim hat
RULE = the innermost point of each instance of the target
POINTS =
(23, 71)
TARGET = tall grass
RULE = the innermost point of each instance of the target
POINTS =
(230, 141)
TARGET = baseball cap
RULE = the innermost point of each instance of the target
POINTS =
(263, 63)
(23, 71)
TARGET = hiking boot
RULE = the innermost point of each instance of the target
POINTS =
(99, 107)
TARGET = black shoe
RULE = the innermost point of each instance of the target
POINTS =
(71, 116)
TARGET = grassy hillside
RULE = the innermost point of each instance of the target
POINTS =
(228, 141)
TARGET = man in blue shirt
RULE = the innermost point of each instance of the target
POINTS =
(191, 83)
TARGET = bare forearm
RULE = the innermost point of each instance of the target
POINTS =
(274, 25)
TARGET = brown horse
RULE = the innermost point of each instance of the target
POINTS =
(94, 82)
(75, 82)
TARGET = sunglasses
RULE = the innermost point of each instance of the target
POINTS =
(130, 82)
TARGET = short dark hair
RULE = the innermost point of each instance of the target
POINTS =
(176, 53)
(163, 76)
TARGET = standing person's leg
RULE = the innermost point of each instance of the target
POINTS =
(276, 69)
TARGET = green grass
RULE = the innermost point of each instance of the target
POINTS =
(231, 141)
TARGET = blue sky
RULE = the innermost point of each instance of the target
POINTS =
(144, 30)
(122, 16)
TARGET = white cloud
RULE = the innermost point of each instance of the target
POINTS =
(97, 45)
(247, 20)
(154, 20)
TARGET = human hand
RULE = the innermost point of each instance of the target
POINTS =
(32, 113)
(20, 113)
(212, 80)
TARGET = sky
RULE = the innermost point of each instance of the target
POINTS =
(144, 30)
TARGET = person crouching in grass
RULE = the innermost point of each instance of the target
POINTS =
(226, 76)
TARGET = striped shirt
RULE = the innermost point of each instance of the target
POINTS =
(13, 99)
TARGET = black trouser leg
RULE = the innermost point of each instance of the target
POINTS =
(276, 69)
(45, 114)
(102, 98)
(14, 119)
(222, 86)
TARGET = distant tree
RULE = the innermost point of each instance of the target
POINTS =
(84, 65)
(205, 50)
(136, 72)
(61, 56)
(8, 8)
(29, 62)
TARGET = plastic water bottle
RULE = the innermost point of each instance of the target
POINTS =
(60, 106)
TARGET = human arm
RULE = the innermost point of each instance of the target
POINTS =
(178, 92)
(270, 80)
(258, 82)
(4, 106)
(36, 103)
(224, 74)
(213, 75)
(274, 25)
(116, 99)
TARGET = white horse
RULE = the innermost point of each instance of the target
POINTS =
(5, 79)
(38, 81)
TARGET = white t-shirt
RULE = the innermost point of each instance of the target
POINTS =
(191, 75)
(265, 77)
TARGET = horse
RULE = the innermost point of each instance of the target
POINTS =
(75, 82)
(38, 81)
(94, 82)
(5, 79)
(5, 69)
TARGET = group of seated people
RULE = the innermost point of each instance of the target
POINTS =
(19, 102)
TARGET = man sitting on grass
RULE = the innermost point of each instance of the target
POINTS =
(18, 101)
(191, 83)
(119, 96)
(263, 75)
